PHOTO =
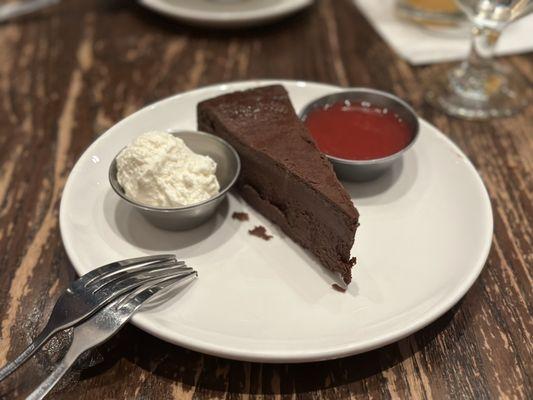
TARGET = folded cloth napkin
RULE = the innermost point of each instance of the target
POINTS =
(419, 45)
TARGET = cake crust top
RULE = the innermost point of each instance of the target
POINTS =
(264, 119)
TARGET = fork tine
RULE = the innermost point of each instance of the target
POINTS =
(162, 284)
(123, 265)
(131, 282)
(105, 280)
(170, 286)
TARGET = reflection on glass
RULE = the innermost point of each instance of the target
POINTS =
(480, 88)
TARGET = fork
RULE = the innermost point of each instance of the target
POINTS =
(93, 291)
(105, 324)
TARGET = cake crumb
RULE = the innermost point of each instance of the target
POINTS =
(260, 232)
(338, 288)
(240, 216)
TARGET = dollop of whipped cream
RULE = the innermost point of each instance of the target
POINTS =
(159, 170)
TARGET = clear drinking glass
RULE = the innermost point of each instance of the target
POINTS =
(481, 88)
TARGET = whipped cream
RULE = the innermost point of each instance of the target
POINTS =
(159, 170)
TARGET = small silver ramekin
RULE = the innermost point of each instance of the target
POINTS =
(187, 217)
(365, 170)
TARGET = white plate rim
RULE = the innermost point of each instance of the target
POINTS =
(259, 355)
(240, 18)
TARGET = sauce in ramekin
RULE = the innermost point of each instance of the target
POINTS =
(358, 130)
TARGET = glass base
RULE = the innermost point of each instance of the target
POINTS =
(489, 92)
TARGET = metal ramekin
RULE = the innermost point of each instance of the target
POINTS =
(365, 170)
(187, 217)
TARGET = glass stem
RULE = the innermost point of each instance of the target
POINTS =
(476, 78)
(482, 47)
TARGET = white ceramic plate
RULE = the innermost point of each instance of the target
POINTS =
(425, 233)
(226, 13)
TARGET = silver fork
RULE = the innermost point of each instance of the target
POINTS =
(105, 324)
(94, 290)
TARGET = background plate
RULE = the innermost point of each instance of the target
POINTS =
(226, 13)
(425, 233)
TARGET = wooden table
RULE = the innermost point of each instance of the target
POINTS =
(68, 74)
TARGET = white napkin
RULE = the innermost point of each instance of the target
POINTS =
(419, 45)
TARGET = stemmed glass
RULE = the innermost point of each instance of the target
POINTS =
(480, 88)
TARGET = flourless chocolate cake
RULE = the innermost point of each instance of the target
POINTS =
(284, 176)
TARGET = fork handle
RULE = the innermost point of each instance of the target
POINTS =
(30, 350)
(60, 370)
(77, 347)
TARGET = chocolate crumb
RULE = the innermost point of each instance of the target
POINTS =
(338, 288)
(260, 232)
(240, 216)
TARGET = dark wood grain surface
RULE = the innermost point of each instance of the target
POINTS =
(69, 73)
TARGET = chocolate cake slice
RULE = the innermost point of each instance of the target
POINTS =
(284, 176)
